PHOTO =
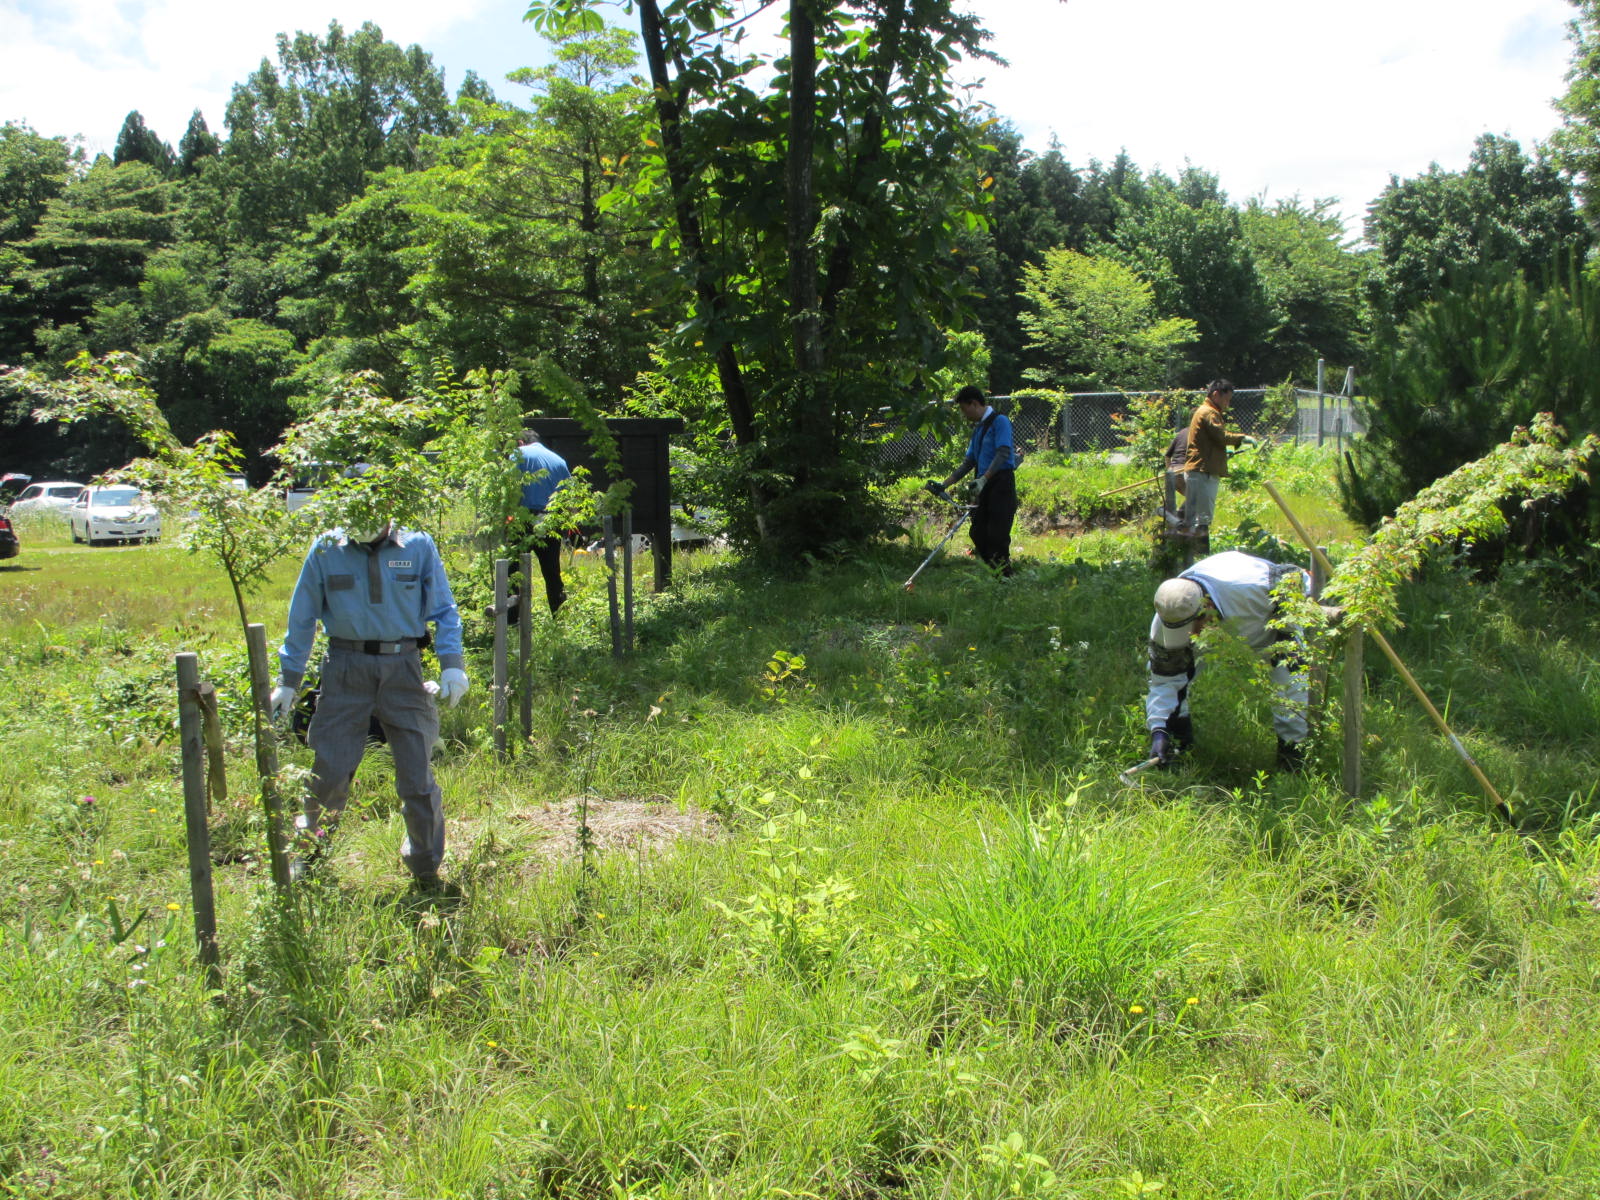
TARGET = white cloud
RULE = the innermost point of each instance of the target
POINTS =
(1275, 96)
(1279, 96)
(79, 66)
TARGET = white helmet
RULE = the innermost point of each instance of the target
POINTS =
(1178, 602)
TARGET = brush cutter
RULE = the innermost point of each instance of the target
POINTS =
(961, 519)
(1128, 776)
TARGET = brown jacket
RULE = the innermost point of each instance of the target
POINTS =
(1209, 440)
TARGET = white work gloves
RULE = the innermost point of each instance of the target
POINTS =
(452, 685)
(282, 701)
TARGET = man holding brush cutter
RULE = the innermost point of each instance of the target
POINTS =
(991, 452)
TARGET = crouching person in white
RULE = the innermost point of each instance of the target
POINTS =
(375, 592)
(1237, 589)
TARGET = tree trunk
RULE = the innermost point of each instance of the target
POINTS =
(708, 291)
(813, 424)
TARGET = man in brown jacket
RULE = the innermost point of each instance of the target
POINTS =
(1207, 460)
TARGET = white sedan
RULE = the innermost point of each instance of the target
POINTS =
(114, 513)
(55, 498)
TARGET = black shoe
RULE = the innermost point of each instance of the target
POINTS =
(1291, 756)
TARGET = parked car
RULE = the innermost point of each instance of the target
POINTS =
(55, 497)
(10, 547)
(113, 513)
(11, 483)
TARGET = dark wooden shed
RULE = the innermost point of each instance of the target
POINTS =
(642, 442)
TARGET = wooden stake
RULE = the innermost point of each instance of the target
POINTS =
(1353, 685)
(525, 648)
(1500, 805)
(255, 637)
(502, 571)
(196, 828)
(606, 526)
(211, 727)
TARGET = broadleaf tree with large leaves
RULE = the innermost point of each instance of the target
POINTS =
(820, 263)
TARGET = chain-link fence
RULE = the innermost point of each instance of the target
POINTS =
(1323, 417)
(1086, 421)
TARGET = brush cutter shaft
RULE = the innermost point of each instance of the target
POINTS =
(1127, 776)
(959, 522)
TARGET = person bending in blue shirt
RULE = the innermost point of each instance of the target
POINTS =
(375, 592)
(991, 452)
(546, 471)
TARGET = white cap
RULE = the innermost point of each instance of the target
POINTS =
(1178, 602)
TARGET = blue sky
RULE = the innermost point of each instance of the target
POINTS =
(1277, 97)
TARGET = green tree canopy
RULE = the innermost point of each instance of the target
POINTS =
(138, 143)
(1313, 279)
(1092, 325)
(1189, 242)
(1442, 228)
(199, 145)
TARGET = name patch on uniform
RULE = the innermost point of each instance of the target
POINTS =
(399, 562)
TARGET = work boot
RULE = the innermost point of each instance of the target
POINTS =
(1182, 731)
(1291, 756)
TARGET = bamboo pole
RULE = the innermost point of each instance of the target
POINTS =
(255, 637)
(198, 832)
(1128, 487)
(502, 571)
(1500, 805)
(525, 648)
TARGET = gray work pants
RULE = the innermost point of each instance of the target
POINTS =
(355, 688)
(1199, 499)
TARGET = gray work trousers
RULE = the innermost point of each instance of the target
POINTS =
(355, 688)
(1199, 499)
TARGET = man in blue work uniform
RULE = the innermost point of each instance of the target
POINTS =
(546, 471)
(375, 591)
(1237, 589)
(991, 452)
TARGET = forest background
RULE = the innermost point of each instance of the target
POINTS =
(786, 252)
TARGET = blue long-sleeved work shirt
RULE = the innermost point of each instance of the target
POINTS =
(991, 437)
(382, 594)
(548, 471)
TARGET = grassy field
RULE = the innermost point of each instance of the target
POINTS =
(869, 918)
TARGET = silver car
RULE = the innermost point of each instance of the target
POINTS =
(113, 513)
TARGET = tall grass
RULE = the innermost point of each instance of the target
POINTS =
(930, 948)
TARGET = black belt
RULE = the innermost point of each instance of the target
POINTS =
(399, 647)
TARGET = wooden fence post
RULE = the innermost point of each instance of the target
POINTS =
(255, 637)
(525, 648)
(195, 812)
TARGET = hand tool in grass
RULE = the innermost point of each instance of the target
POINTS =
(1128, 487)
(1500, 806)
(961, 519)
(1127, 777)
